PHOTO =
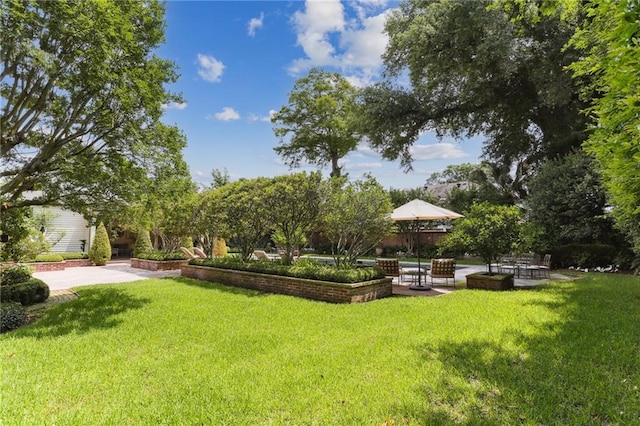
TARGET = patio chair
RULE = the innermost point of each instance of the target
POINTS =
(198, 252)
(188, 253)
(443, 268)
(263, 255)
(391, 268)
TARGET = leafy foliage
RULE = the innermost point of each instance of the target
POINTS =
(100, 251)
(14, 225)
(610, 37)
(162, 255)
(49, 257)
(220, 248)
(318, 124)
(26, 292)
(143, 243)
(83, 96)
(477, 68)
(487, 231)
(11, 275)
(12, 316)
(302, 269)
(293, 204)
(568, 202)
(355, 218)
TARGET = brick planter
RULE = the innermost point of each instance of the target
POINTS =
(48, 266)
(309, 289)
(157, 265)
(484, 281)
(73, 263)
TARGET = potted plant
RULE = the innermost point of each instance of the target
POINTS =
(487, 231)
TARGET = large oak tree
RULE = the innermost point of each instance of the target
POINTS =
(477, 68)
(82, 93)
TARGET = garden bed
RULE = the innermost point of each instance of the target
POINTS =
(484, 281)
(309, 289)
(157, 265)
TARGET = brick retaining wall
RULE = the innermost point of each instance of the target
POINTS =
(157, 265)
(308, 289)
(73, 263)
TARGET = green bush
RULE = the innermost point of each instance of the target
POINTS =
(27, 293)
(584, 255)
(11, 275)
(161, 255)
(49, 257)
(12, 316)
(186, 242)
(142, 244)
(100, 251)
(74, 255)
(308, 269)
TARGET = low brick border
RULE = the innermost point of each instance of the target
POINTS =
(74, 263)
(309, 289)
(157, 265)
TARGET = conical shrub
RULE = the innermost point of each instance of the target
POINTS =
(100, 250)
(143, 243)
(219, 248)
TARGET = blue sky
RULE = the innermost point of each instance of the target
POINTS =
(238, 61)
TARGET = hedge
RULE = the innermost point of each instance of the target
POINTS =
(12, 316)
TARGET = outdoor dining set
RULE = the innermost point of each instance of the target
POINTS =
(524, 266)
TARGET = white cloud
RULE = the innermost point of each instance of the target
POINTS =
(330, 38)
(267, 118)
(254, 24)
(226, 114)
(438, 151)
(361, 166)
(175, 105)
(210, 68)
(313, 27)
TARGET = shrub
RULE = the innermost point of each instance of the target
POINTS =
(74, 255)
(142, 244)
(27, 293)
(100, 250)
(220, 247)
(186, 242)
(49, 257)
(585, 255)
(308, 269)
(162, 255)
(11, 275)
(12, 316)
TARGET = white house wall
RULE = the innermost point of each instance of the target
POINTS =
(73, 225)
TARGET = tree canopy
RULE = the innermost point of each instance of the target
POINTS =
(611, 38)
(568, 202)
(82, 93)
(477, 68)
(318, 123)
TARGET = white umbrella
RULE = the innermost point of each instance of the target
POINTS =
(418, 210)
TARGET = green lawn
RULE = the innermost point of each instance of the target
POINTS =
(179, 351)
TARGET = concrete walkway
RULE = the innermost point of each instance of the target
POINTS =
(112, 272)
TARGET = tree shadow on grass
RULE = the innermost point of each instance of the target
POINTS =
(96, 308)
(580, 368)
(208, 285)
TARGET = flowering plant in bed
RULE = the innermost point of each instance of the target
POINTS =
(303, 268)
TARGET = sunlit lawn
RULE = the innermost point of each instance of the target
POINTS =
(178, 351)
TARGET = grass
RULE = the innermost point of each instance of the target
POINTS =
(180, 351)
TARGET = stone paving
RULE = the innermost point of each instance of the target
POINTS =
(55, 297)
